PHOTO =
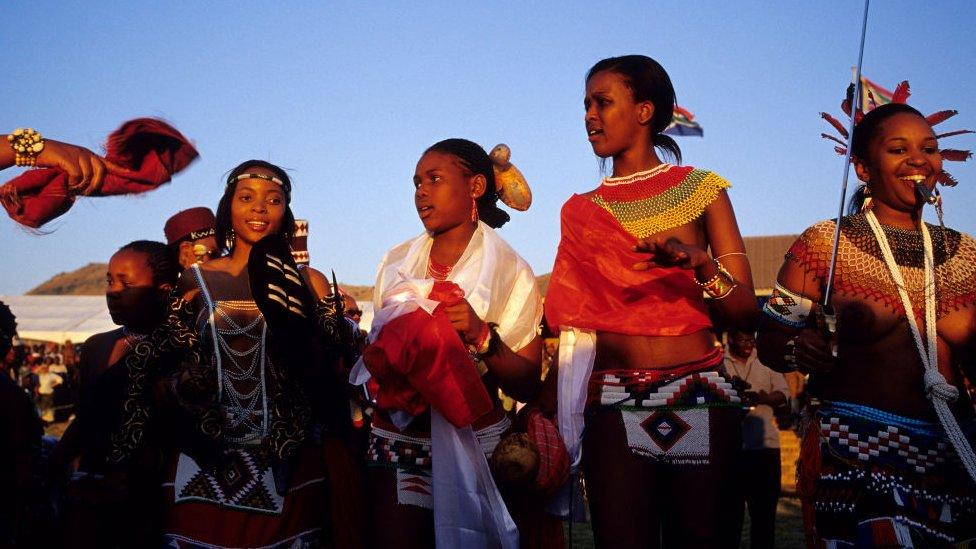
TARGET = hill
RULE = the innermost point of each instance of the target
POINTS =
(88, 280)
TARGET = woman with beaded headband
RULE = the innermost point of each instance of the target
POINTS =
(273, 469)
(456, 318)
(636, 349)
(886, 458)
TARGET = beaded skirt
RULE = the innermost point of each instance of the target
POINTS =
(879, 479)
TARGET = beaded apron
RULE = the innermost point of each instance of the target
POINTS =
(666, 421)
(659, 199)
(411, 458)
(244, 478)
(888, 480)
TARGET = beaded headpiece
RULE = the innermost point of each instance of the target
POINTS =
(870, 101)
(285, 187)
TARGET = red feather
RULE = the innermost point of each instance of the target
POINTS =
(939, 117)
(950, 134)
(845, 106)
(841, 150)
(955, 155)
(946, 179)
(901, 93)
(835, 123)
(834, 139)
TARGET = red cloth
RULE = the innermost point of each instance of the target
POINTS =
(593, 286)
(151, 148)
(419, 360)
(553, 458)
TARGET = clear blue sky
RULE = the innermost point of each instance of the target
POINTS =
(347, 97)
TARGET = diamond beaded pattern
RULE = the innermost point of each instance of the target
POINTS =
(861, 271)
(651, 202)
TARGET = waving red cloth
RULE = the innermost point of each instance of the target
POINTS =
(151, 148)
(419, 360)
(593, 286)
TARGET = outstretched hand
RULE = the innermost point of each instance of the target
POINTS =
(85, 170)
(669, 253)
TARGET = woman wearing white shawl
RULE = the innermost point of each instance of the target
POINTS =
(428, 477)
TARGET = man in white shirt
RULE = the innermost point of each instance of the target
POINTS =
(762, 390)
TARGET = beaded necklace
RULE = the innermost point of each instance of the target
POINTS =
(438, 271)
(938, 390)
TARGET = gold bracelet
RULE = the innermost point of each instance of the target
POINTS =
(27, 144)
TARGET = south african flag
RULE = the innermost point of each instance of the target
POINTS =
(683, 123)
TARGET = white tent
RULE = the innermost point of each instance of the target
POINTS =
(59, 317)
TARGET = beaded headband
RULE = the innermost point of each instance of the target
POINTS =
(260, 176)
(900, 95)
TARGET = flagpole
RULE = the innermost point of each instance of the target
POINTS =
(855, 102)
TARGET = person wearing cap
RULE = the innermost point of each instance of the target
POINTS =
(191, 234)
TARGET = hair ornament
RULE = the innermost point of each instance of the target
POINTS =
(874, 96)
(271, 178)
(510, 184)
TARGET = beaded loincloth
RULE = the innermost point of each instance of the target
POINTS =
(668, 421)
(888, 480)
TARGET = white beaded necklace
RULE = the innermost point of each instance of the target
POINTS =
(938, 390)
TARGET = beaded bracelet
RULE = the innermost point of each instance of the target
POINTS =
(27, 144)
(720, 285)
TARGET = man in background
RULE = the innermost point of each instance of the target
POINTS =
(191, 235)
(764, 392)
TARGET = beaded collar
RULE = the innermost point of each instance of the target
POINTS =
(626, 179)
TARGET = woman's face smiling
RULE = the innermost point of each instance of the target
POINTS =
(615, 123)
(443, 191)
(257, 208)
(902, 153)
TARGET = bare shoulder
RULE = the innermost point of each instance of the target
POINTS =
(318, 282)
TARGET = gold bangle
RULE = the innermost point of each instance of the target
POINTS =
(27, 143)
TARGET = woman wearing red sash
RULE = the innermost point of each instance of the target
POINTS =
(636, 350)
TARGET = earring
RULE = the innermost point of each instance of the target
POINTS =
(474, 210)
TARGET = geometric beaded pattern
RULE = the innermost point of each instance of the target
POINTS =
(630, 389)
(904, 451)
(398, 450)
(651, 202)
(243, 480)
(862, 273)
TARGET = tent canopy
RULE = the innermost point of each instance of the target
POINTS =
(77, 317)
(59, 317)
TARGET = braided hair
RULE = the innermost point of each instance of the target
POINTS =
(476, 161)
(223, 225)
(161, 259)
(648, 81)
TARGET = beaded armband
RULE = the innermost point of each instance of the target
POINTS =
(720, 285)
(788, 308)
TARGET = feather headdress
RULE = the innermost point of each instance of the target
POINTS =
(875, 96)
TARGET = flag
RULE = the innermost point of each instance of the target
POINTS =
(873, 95)
(683, 123)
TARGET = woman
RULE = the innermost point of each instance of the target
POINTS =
(264, 394)
(626, 297)
(876, 468)
(139, 278)
(488, 302)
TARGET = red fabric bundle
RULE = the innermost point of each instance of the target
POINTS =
(594, 286)
(419, 360)
(553, 457)
(152, 149)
